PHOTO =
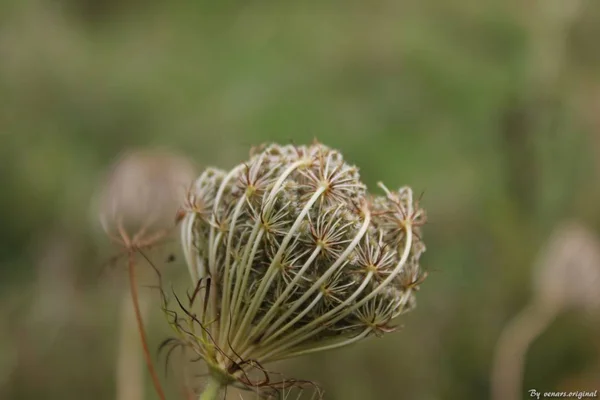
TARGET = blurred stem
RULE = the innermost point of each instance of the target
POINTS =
(130, 377)
(509, 359)
(212, 389)
(140, 325)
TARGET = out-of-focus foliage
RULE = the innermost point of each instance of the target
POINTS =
(491, 108)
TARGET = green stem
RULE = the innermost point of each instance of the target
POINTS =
(212, 389)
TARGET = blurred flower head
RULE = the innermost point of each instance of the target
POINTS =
(143, 191)
(289, 255)
(568, 270)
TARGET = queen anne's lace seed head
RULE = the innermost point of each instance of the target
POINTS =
(142, 192)
(567, 273)
(289, 255)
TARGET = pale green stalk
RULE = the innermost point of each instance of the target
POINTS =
(211, 390)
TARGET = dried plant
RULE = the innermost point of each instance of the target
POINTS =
(289, 255)
(137, 205)
(566, 276)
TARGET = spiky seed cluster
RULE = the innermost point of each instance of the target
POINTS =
(290, 255)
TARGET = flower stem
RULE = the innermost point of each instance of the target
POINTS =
(509, 360)
(140, 324)
(212, 389)
(130, 365)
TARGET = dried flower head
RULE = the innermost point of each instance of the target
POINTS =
(143, 191)
(568, 270)
(289, 256)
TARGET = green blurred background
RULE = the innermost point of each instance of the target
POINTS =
(491, 108)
